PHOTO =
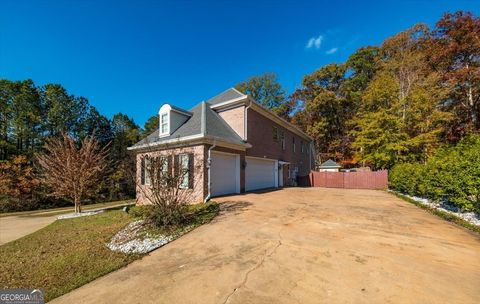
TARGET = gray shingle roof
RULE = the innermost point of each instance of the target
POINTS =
(225, 96)
(330, 164)
(203, 121)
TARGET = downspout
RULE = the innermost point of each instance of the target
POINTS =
(245, 126)
(209, 162)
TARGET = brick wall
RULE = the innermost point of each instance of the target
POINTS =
(235, 119)
(260, 136)
(196, 194)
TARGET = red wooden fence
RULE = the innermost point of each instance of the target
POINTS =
(349, 180)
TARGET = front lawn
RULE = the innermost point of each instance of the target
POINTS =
(63, 210)
(70, 253)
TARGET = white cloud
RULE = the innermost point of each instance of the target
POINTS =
(314, 42)
(331, 51)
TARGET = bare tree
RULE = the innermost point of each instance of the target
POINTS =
(73, 173)
(167, 181)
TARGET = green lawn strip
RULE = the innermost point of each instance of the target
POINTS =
(70, 253)
(62, 210)
(445, 215)
(64, 255)
(105, 206)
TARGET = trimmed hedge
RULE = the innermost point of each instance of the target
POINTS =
(452, 174)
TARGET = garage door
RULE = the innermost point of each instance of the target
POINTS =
(260, 174)
(224, 174)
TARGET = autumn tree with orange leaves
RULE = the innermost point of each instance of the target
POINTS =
(73, 172)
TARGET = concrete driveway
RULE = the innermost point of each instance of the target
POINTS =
(305, 245)
(15, 227)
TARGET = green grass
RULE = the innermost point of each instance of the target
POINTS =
(70, 253)
(63, 210)
(64, 255)
(445, 215)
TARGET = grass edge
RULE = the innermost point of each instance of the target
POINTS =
(442, 214)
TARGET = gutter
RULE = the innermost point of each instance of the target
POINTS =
(209, 163)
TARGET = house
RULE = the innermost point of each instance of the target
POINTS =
(237, 145)
(329, 166)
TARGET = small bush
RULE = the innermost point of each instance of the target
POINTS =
(189, 215)
(452, 174)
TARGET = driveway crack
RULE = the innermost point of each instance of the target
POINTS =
(266, 254)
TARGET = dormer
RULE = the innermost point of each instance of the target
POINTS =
(170, 119)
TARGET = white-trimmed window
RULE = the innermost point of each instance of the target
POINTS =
(184, 165)
(146, 171)
(164, 127)
(293, 142)
(282, 138)
(301, 146)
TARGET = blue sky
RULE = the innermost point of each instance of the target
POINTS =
(133, 56)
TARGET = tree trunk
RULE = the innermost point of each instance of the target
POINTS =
(78, 207)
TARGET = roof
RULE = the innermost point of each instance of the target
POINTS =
(203, 122)
(330, 164)
(188, 113)
(227, 95)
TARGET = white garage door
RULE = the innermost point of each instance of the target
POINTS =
(260, 174)
(224, 173)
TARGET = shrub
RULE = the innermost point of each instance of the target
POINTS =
(452, 174)
(190, 215)
(408, 178)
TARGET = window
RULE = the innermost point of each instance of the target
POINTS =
(275, 133)
(293, 141)
(164, 165)
(164, 123)
(301, 146)
(146, 171)
(282, 138)
(184, 165)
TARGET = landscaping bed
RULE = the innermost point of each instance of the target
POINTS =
(72, 252)
(469, 220)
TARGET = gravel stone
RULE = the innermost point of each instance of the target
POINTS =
(129, 240)
(471, 217)
(74, 215)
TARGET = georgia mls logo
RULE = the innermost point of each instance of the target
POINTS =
(21, 296)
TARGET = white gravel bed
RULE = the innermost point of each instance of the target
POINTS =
(471, 217)
(128, 240)
(74, 215)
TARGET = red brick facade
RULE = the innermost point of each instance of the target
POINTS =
(268, 139)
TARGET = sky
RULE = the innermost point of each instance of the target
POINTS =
(134, 56)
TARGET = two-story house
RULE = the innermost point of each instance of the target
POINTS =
(238, 145)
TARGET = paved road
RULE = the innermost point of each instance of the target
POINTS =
(15, 227)
(305, 245)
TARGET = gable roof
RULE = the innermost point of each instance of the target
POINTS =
(227, 95)
(330, 164)
(204, 122)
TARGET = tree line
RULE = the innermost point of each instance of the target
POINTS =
(31, 114)
(388, 104)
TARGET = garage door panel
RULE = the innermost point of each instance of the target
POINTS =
(224, 174)
(260, 174)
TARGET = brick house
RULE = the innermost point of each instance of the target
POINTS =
(237, 146)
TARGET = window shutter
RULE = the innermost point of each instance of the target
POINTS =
(142, 171)
(191, 170)
(170, 165)
(176, 166)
